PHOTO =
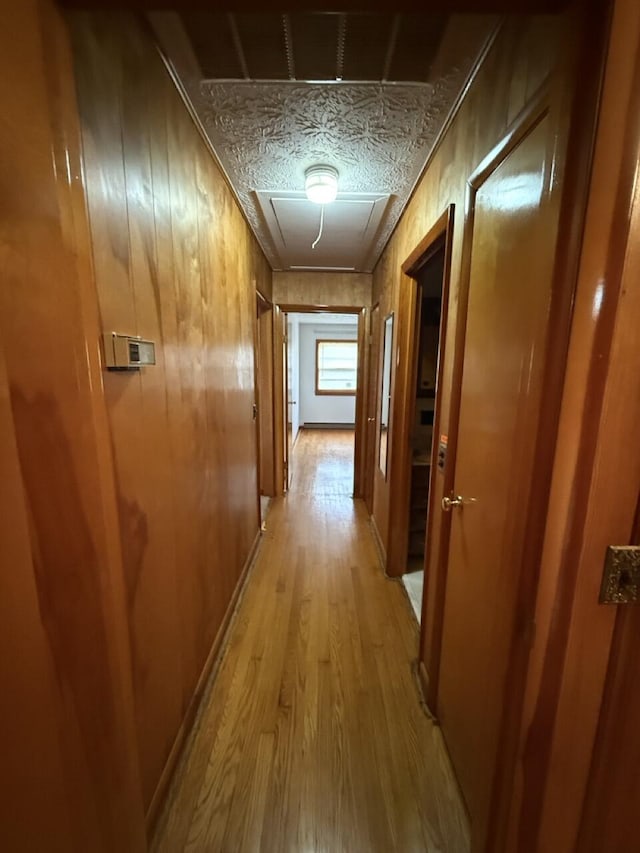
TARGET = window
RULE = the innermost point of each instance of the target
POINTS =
(336, 367)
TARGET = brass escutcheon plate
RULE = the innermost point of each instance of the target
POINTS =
(621, 578)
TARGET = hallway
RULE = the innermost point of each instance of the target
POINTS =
(312, 736)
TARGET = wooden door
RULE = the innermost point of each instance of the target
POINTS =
(372, 407)
(610, 814)
(610, 821)
(510, 246)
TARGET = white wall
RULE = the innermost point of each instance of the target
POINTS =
(324, 408)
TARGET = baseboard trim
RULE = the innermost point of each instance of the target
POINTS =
(382, 554)
(159, 798)
(423, 677)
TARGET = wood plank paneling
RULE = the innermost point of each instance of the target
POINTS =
(175, 262)
(67, 736)
(322, 288)
(28, 739)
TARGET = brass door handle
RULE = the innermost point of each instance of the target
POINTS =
(448, 503)
(370, 420)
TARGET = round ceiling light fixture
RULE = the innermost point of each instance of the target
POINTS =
(321, 184)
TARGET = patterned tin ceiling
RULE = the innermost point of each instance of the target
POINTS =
(378, 134)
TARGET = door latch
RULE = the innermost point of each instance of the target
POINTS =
(448, 503)
(621, 577)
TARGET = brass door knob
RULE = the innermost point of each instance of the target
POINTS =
(448, 503)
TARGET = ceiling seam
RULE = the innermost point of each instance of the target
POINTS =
(391, 46)
(288, 45)
(342, 35)
(237, 43)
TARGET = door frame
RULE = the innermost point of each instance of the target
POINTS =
(259, 302)
(590, 504)
(279, 443)
(548, 99)
(264, 405)
(370, 445)
(404, 393)
(539, 106)
(360, 438)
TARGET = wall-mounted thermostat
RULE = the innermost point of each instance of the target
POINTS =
(127, 352)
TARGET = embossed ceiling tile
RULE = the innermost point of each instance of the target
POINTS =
(366, 130)
(378, 135)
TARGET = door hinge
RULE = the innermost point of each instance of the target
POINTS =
(621, 576)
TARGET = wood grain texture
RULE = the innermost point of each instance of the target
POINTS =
(406, 378)
(279, 399)
(174, 262)
(264, 355)
(66, 725)
(28, 739)
(491, 547)
(371, 410)
(524, 52)
(313, 736)
(585, 514)
(322, 288)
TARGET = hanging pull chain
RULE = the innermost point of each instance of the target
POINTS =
(317, 240)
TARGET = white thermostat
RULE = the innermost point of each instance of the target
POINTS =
(127, 352)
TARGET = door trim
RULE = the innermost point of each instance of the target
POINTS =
(538, 108)
(549, 100)
(279, 445)
(360, 440)
(371, 428)
(404, 386)
(551, 762)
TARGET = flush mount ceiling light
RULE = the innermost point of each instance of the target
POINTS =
(321, 184)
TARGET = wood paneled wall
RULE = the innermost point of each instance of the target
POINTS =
(522, 55)
(322, 288)
(69, 779)
(175, 262)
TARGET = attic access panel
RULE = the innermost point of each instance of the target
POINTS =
(350, 227)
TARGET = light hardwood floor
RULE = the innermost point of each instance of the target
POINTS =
(312, 736)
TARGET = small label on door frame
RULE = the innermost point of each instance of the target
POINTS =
(442, 451)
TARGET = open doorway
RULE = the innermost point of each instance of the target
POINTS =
(429, 277)
(322, 366)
